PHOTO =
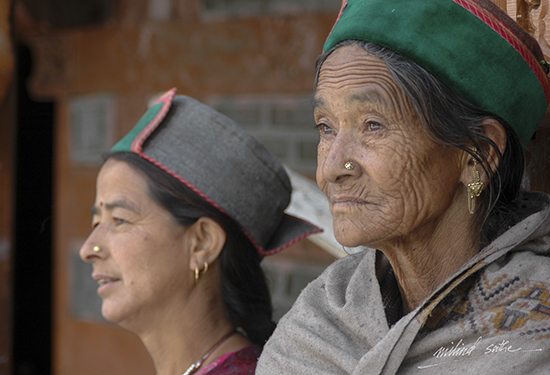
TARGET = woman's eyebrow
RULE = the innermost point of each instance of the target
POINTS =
(316, 102)
(366, 96)
(116, 204)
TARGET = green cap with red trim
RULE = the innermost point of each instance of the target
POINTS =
(471, 46)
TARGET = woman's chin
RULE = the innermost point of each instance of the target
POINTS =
(348, 241)
(350, 238)
(111, 314)
(130, 320)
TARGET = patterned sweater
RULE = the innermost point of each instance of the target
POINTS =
(490, 317)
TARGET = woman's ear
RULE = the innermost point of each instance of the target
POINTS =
(206, 239)
(494, 131)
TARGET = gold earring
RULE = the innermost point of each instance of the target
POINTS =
(474, 189)
(198, 273)
(96, 249)
(349, 165)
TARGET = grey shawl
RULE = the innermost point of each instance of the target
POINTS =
(491, 317)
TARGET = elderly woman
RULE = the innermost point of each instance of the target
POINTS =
(424, 109)
(187, 204)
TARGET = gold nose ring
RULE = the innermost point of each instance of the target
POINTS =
(96, 249)
(349, 165)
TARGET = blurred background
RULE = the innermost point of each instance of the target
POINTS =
(75, 76)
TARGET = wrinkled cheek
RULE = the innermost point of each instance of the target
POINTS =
(321, 182)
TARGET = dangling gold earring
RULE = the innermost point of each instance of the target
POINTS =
(474, 189)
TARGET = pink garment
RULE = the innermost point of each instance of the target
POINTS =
(241, 362)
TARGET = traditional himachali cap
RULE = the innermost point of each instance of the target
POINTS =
(222, 163)
(471, 46)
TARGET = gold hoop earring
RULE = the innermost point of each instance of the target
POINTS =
(96, 249)
(474, 189)
(198, 272)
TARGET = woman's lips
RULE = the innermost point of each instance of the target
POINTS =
(104, 281)
(344, 203)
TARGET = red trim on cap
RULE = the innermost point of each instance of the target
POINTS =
(167, 98)
(205, 197)
(504, 31)
(344, 3)
(260, 249)
(297, 239)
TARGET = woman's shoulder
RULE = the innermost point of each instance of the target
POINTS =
(348, 265)
(345, 304)
(334, 285)
(241, 362)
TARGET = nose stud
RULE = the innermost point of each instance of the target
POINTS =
(96, 249)
(349, 165)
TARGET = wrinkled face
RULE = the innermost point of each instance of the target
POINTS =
(143, 266)
(402, 181)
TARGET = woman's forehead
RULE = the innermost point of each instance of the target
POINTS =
(352, 76)
(350, 59)
(117, 179)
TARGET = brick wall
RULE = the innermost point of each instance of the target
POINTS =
(284, 123)
(255, 65)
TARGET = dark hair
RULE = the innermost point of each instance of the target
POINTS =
(243, 285)
(455, 122)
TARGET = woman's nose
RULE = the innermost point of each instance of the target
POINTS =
(91, 250)
(339, 160)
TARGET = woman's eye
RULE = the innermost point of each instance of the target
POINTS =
(324, 129)
(374, 126)
(95, 224)
(119, 221)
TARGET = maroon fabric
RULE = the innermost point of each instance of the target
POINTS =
(523, 35)
(242, 362)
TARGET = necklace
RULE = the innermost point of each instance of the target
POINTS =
(195, 366)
